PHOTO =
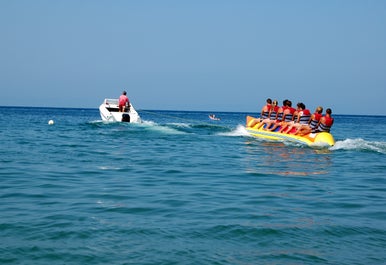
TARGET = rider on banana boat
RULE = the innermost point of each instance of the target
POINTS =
(272, 114)
(279, 117)
(288, 116)
(313, 123)
(324, 125)
(302, 116)
(265, 111)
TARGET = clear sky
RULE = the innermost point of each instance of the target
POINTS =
(194, 55)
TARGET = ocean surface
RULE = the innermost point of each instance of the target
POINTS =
(182, 189)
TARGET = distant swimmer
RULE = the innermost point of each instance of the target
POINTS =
(213, 117)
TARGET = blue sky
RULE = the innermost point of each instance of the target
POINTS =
(194, 55)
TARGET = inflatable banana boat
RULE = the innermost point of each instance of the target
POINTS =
(312, 139)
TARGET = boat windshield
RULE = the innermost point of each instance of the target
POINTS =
(110, 101)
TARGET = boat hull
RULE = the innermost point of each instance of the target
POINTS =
(312, 139)
(109, 112)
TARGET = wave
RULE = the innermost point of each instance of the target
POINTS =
(166, 129)
(238, 131)
(360, 144)
(192, 128)
(179, 125)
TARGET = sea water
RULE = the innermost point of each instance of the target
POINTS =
(180, 188)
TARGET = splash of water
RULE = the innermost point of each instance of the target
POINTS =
(238, 131)
(360, 145)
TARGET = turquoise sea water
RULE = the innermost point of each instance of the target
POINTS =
(181, 189)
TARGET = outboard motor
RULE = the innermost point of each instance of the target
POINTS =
(125, 117)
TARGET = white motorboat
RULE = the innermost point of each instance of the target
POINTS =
(109, 111)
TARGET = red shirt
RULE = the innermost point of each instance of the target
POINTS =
(123, 99)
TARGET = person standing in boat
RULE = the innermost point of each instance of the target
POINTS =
(123, 102)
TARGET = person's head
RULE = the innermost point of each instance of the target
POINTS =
(319, 110)
(285, 102)
(289, 103)
(300, 105)
(124, 92)
(274, 102)
(269, 101)
(328, 111)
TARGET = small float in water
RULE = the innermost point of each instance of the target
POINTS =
(312, 139)
(109, 111)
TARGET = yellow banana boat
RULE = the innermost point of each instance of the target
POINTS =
(312, 139)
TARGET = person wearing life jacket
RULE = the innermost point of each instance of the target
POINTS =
(288, 116)
(302, 116)
(272, 114)
(265, 110)
(279, 118)
(123, 102)
(313, 123)
(264, 113)
(315, 118)
(325, 122)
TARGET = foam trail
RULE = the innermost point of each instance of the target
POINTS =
(239, 131)
(150, 123)
(160, 128)
(360, 145)
(181, 125)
